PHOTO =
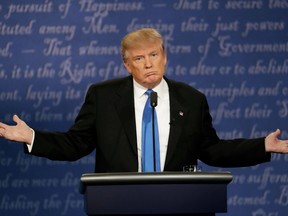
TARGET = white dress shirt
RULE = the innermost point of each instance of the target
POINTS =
(163, 118)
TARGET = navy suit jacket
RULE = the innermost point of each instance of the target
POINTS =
(106, 122)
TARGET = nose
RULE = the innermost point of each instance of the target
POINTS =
(148, 63)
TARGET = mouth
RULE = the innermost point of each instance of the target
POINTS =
(151, 73)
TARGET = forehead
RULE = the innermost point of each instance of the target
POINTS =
(144, 48)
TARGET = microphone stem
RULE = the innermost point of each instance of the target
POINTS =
(153, 136)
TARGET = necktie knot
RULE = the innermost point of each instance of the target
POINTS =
(148, 92)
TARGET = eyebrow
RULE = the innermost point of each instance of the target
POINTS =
(137, 56)
(152, 52)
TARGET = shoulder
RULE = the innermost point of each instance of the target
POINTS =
(111, 85)
(184, 90)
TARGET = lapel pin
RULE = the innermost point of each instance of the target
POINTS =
(181, 113)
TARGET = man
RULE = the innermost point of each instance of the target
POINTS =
(110, 121)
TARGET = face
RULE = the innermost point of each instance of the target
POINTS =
(146, 64)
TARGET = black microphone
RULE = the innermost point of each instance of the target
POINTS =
(153, 99)
(153, 103)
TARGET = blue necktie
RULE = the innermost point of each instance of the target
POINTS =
(150, 156)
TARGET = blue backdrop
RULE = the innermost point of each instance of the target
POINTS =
(51, 51)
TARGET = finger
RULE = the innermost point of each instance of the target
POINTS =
(2, 132)
(2, 125)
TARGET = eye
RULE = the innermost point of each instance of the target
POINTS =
(154, 55)
(138, 59)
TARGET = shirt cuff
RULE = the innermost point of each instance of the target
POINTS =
(30, 146)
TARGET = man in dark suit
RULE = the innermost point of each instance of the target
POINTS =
(110, 117)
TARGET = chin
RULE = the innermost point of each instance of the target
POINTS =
(151, 84)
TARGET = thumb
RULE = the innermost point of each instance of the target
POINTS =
(277, 133)
(16, 119)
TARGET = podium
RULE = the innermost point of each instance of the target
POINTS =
(164, 193)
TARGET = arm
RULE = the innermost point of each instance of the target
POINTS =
(21, 132)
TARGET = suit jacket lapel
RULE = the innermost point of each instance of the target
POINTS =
(177, 115)
(126, 112)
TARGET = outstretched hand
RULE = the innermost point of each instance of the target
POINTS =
(20, 132)
(273, 144)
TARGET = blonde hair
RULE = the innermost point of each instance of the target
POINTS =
(140, 38)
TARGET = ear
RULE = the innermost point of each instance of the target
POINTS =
(165, 60)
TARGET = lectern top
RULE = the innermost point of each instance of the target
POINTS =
(156, 178)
